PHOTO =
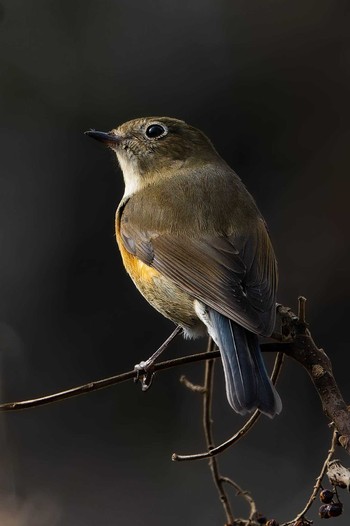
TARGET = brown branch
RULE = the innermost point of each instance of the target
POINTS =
(294, 340)
(246, 495)
(102, 384)
(302, 348)
(318, 483)
(208, 432)
(239, 434)
(207, 390)
(191, 386)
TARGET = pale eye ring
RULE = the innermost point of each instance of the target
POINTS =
(156, 130)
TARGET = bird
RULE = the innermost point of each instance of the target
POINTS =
(195, 244)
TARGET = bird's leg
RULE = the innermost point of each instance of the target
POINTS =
(146, 368)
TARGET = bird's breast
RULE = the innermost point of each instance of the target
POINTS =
(161, 292)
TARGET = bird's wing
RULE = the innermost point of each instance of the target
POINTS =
(236, 276)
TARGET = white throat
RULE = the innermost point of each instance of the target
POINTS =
(131, 174)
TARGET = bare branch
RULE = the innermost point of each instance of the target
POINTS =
(245, 494)
(192, 387)
(318, 483)
(294, 340)
(207, 424)
(101, 384)
(219, 480)
(303, 349)
(302, 309)
(239, 434)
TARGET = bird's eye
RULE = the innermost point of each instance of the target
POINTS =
(155, 130)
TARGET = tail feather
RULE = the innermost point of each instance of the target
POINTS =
(269, 401)
(248, 386)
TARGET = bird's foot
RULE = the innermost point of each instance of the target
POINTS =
(144, 373)
(145, 369)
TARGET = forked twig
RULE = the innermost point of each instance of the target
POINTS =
(318, 482)
(295, 341)
(208, 431)
(244, 429)
(245, 494)
(207, 390)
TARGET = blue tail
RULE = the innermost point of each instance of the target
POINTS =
(248, 386)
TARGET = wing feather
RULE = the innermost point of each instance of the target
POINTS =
(234, 275)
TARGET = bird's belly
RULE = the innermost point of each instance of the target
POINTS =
(164, 295)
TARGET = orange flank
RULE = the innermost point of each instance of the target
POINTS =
(138, 271)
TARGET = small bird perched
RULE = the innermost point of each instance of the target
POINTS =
(196, 246)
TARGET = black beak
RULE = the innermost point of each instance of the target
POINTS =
(108, 138)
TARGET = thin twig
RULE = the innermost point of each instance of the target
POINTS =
(191, 386)
(318, 483)
(239, 434)
(302, 309)
(245, 494)
(102, 384)
(207, 424)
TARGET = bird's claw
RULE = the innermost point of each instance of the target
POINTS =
(144, 374)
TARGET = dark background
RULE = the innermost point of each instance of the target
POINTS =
(268, 81)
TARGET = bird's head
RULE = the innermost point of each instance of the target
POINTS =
(151, 147)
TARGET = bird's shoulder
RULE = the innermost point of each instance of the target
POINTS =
(197, 200)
